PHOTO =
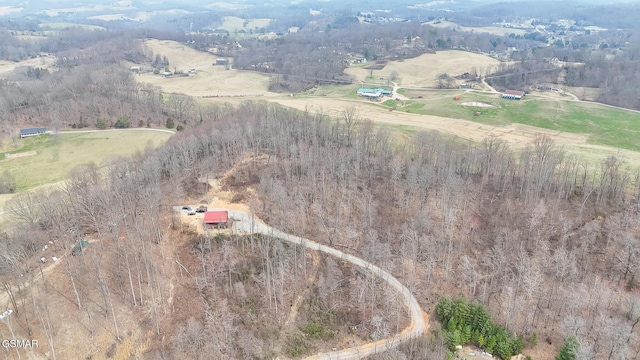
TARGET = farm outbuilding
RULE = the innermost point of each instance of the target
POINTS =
(222, 62)
(31, 132)
(216, 218)
(513, 94)
(373, 93)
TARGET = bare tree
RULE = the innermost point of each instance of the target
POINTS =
(351, 120)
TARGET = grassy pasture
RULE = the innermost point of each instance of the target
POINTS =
(49, 158)
(421, 71)
(209, 80)
(604, 125)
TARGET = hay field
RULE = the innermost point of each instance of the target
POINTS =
(232, 23)
(421, 71)
(209, 80)
(496, 30)
(44, 62)
(56, 155)
(68, 25)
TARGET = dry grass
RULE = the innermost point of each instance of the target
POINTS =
(584, 93)
(496, 30)
(232, 23)
(209, 80)
(41, 62)
(421, 71)
(67, 25)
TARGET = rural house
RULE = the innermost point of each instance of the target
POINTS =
(31, 132)
(513, 94)
(222, 62)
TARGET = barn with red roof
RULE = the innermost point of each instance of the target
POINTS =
(216, 217)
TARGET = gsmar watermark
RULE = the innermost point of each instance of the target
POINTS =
(19, 344)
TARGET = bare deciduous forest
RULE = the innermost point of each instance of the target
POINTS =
(546, 241)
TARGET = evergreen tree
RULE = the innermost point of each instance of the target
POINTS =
(123, 122)
(503, 349)
(443, 309)
(481, 341)
(568, 349)
(453, 339)
(452, 325)
(460, 311)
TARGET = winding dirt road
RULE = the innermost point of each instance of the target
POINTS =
(246, 223)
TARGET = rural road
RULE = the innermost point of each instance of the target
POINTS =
(247, 223)
(395, 94)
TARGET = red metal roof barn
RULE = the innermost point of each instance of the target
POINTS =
(216, 217)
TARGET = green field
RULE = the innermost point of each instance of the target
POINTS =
(605, 125)
(54, 155)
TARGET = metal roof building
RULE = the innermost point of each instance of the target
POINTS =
(216, 217)
(31, 132)
(513, 94)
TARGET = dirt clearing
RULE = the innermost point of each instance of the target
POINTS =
(477, 104)
(19, 155)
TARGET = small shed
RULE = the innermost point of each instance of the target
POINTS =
(222, 62)
(31, 132)
(216, 218)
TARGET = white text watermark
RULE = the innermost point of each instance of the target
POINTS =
(19, 344)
